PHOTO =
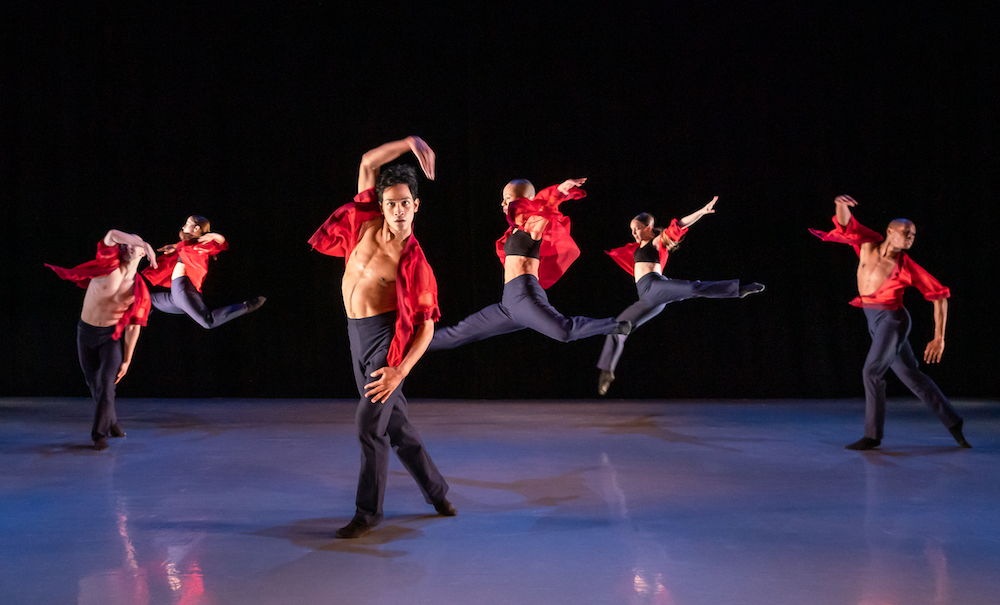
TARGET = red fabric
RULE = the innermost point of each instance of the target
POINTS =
(103, 264)
(193, 254)
(625, 256)
(416, 287)
(558, 250)
(906, 272)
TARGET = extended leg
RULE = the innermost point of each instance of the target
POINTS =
(187, 298)
(638, 313)
(408, 445)
(907, 369)
(527, 303)
(491, 321)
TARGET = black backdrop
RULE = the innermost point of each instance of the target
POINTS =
(135, 116)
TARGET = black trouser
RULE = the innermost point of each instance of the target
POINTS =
(891, 349)
(384, 425)
(100, 358)
(184, 299)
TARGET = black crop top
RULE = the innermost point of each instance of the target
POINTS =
(646, 254)
(520, 243)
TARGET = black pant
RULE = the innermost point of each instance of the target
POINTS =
(891, 350)
(100, 358)
(384, 425)
(184, 299)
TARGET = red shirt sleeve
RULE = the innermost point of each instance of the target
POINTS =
(919, 278)
(339, 234)
(558, 250)
(854, 234)
(624, 256)
(416, 299)
(675, 231)
(105, 261)
(103, 264)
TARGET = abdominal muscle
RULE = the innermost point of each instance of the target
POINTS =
(516, 266)
(642, 269)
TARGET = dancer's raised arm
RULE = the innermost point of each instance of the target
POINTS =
(695, 216)
(373, 160)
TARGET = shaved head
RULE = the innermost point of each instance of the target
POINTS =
(898, 223)
(520, 188)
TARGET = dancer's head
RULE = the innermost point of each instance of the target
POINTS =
(644, 229)
(399, 174)
(397, 196)
(195, 227)
(901, 233)
(516, 189)
(128, 253)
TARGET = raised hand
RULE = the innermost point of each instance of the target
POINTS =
(710, 207)
(846, 200)
(568, 184)
(424, 154)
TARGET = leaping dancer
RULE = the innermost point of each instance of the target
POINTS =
(535, 252)
(116, 303)
(885, 270)
(644, 259)
(183, 267)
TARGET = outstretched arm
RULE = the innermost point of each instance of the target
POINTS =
(211, 237)
(373, 161)
(935, 348)
(389, 377)
(131, 337)
(695, 216)
(115, 237)
(844, 204)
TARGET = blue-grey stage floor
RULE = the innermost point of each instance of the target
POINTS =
(681, 503)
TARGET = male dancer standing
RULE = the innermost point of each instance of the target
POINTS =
(116, 302)
(390, 296)
(884, 271)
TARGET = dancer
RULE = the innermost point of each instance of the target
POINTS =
(390, 296)
(535, 252)
(644, 259)
(884, 272)
(116, 303)
(186, 264)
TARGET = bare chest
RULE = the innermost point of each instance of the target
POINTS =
(873, 270)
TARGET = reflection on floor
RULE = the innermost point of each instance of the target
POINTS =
(682, 503)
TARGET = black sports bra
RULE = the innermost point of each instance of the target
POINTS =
(646, 254)
(520, 243)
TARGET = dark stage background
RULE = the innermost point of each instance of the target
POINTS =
(134, 117)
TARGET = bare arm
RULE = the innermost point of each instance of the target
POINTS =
(935, 348)
(695, 216)
(390, 377)
(211, 237)
(372, 161)
(131, 337)
(844, 204)
(115, 237)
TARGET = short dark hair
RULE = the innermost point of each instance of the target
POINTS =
(400, 174)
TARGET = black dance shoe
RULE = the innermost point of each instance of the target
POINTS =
(116, 431)
(865, 443)
(752, 288)
(354, 530)
(253, 305)
(624, 328)
(604, 382)
(445, 508)
(956, 432)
